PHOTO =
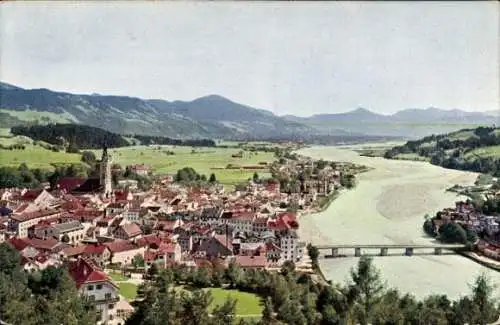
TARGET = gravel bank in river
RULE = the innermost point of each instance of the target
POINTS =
(387, 207)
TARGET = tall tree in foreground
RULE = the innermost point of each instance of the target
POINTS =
(368, 287)
(485, 305)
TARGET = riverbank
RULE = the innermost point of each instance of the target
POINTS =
(484, 261)
(387, 207)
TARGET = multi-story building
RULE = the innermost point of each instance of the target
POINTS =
(71, 232)
(99, 289)
(20, 223)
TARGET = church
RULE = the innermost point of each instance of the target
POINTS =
(103, 184)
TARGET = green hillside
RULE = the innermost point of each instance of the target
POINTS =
(475, 150)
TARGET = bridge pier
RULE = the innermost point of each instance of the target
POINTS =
(357, 251)
(383, 251)
(438, 251)
(335, 252)
(408, 251)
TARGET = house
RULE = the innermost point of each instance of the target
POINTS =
(97, 287)
(273, 252)
(116, 208)
(251, 262)
(127, 231)
(288, 243)
(123, 251)
(242, 221)
(39, 262)
(98, 253)
(20, 223)
(217, 246)
(71, 232)
(140, 169)
(210, 215)
(259, 225)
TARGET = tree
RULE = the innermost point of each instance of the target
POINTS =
(234, 274)
(484, 310)
(313, 253)
(138, 261)
(224, 314)
(288, 267)
(89, 158)
(195, 307)
(212, 178)
(368, 285)
(255, 177)
(268, 317)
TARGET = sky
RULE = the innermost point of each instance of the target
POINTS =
(298, 58)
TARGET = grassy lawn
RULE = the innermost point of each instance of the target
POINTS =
(36, 157)
(128, 290)
(117, 276)
(203, 160)
(247, 303)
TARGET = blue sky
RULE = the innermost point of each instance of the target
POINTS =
(291, 58)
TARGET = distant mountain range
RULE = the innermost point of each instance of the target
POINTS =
(214, 116)
(410, 123)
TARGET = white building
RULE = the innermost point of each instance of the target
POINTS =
(94, 284)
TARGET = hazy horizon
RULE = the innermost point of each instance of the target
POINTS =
(299, 58)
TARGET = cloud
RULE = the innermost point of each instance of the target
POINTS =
(298, 58)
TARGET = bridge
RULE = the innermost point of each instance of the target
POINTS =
(383, 249)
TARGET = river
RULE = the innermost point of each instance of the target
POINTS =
(388, 207)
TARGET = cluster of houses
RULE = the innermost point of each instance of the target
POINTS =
(488, 227)
(91, 226)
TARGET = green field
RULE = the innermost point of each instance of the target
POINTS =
(411, 156)
(36, 157)
(203, 160)
(30, 115)
(247, 303)
(128, 290)
(115, 276)
(493, 151)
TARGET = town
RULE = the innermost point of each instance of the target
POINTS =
(467, 224)
(96, 229)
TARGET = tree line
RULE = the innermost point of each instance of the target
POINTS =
(176, 295)
(76, 136)
(450, 153)
(289, 297)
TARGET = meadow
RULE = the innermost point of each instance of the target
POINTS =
(203, 160)
(247, 304)
(162, 159)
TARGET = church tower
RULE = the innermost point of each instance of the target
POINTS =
(105, 172)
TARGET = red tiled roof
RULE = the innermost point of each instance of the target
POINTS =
(243, 216)
(167, 248)
(131, 229)
(94, 249)
(74, 251)
(84, 272)
(31, 195)
(251, 261)
(222, 240)
(120, 246)
(17, 243)
(44, 244)
(148, 240)
(34, 215)
(70, 183)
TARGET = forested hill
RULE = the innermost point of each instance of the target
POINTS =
(475, 150)
(88, 137)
